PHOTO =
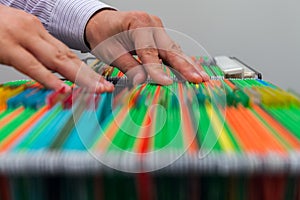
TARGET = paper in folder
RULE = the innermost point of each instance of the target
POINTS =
(234, 137)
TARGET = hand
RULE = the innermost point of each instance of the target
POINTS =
(28, 47)
(114, 36)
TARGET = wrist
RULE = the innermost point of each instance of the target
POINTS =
(96, 25)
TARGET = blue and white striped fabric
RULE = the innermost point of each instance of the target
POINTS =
(64, 19)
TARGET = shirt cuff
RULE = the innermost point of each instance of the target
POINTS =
(69, 19)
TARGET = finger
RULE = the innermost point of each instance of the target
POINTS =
(26, 63)
(148, 54)
(131, 68)
(170, 52)
(90, 76)
(65, 62)
(94, 82)
(184, 66)
(85, 76)
(114, 53)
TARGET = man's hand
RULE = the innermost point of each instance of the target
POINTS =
(28, 47)
(114, 35)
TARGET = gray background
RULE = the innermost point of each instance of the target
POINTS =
(262, 33)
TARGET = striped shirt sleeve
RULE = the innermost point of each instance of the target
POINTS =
(64, 19)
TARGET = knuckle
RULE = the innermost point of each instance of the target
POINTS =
(71, 55)
(60, 58)
(30, 23)
(170, 56)
(141, 17)
(169, 45)
(157, 20)
(149, 52)
(173, 46)
(33, 66)
(31, 19)
(144, 17)
(131, 16)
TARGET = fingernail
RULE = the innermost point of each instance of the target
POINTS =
(99, 88)
(137, 79)
(64, 88)
(205, 76)
(196, 75)
(109, 86)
